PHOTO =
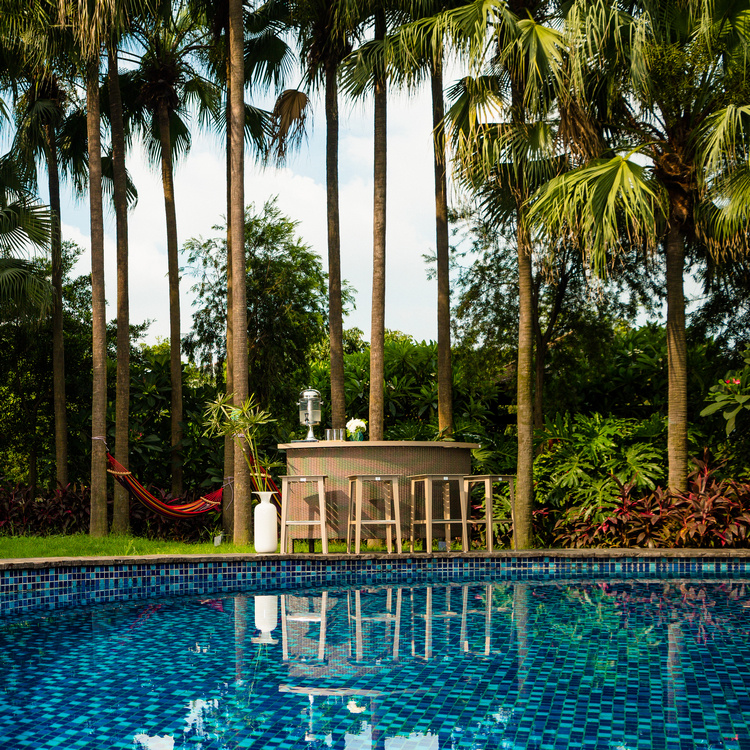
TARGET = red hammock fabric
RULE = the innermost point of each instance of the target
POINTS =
(203, 504)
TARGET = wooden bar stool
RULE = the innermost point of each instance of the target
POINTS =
(354, 516)
(319, 481)
(488, 480)
(427, 481)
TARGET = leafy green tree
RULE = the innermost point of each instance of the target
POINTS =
(286, 312)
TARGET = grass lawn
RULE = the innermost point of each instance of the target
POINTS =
(82, 545)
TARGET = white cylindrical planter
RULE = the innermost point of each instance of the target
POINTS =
(266, 527)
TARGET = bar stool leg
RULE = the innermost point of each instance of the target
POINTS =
(349, 514)
(284, 513)
(323, 519)
(388, 517)
(397, 513)
(413, 503)
(358, 512)
(447, 513)
(428, 513)
(464, 500)
(488, 512)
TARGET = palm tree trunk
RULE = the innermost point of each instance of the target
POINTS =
(524, 398)
(377, 325)
(227, 514)
(58, 345)
(335, 312)
(676, 363)
(98, 519)
(175, 359)
(239, 301)
(121, 512)
(444, 368)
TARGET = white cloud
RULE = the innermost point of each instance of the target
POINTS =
(300, 187)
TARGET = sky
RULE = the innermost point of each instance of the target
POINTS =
(300, 186)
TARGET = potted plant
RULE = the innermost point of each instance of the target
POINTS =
(242, 424)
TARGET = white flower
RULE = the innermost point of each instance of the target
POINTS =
(356, 425)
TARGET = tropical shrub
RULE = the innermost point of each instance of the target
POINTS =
(710, 513)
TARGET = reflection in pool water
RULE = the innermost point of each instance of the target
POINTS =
(589, 665)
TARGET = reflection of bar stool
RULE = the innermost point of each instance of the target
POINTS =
(319, 480)
(354, 515)
(427, 481)
(488, 480)
(375, 627)
(296, 615)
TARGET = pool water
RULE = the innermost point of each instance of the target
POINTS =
(584, 664)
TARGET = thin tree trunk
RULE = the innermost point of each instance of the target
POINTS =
(98, 520)
(540, 351)
(524, 398)
(175, 359)
(335, 312)
(377, 326)
(121, 512)
(239, 302)
(676, 363)
(227, 506)
(444, 368)
(58, 345)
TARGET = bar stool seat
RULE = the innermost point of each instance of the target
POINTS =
(428, 480)
(488, 480)
(354, 516)
(319, 481)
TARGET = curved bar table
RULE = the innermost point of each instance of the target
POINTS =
(339, 459)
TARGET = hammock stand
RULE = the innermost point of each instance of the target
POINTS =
(203, 504)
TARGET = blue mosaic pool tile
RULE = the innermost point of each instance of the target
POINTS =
(29, 589)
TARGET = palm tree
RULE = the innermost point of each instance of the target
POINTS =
(325, 31)
(168, 84)
(91, 23)
(671, 74)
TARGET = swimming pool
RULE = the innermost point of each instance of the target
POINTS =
(589, 663)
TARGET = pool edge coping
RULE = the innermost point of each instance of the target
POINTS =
(41, 563)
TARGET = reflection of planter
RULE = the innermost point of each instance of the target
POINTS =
(266, 530)
(358, 436)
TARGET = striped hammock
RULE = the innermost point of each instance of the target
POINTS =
(203, 504)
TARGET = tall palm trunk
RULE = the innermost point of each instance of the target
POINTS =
(121, 512)
(98, 519)
(58, 345)
(377, 325)
(335, 312)
(227, 508)
(175, 359)
(444, 368)
(239, 300)
(524, 397)
(676, 363)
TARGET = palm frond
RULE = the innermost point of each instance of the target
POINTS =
(598, 205)
(23, 289)
(289, 117)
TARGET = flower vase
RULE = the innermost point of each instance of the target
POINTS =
(358, 436)
(265, 527)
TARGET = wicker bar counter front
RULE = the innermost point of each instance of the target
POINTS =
(338, 460)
